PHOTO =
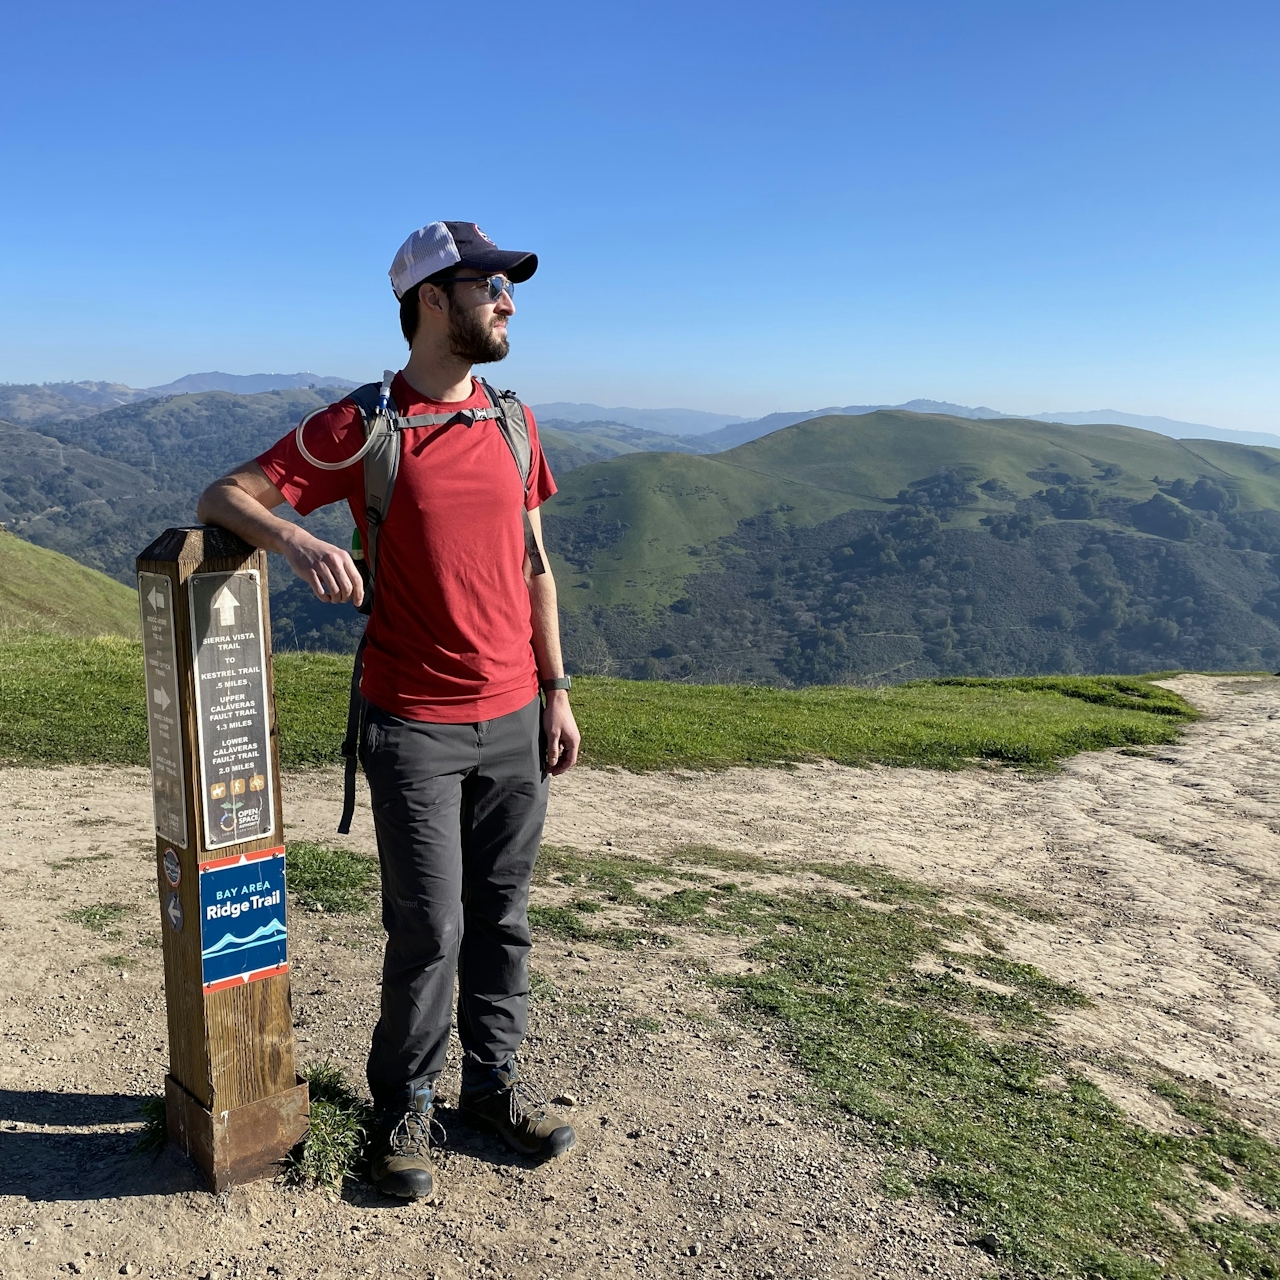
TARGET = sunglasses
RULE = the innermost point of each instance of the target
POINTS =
(498, 285)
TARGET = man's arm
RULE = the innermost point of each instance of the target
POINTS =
(563, 738)
(242, 502)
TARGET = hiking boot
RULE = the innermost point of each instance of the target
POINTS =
(400, 1149)
(516, 1111)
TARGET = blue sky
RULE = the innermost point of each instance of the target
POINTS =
(737, 206)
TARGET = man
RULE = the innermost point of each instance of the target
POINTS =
(463, 634)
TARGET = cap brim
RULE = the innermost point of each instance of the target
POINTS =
(512, 264)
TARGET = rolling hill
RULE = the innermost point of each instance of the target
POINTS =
(41, 590)
(881, 546)
(896, 544)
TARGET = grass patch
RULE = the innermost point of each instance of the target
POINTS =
(542, 988)
(958, 1085)
(705, 855)
(568, 925)
(1129, 692)
(65, 864)
(118, 961)
(650, 725)
(334, 1144)
(1017, 907)
(72, 701)
(155, 1126)
(334, 881)
(82, 701)
(101, 918)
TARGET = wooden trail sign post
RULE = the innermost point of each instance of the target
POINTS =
(233, 1099)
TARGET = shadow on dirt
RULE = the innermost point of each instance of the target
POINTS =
(90, 1165)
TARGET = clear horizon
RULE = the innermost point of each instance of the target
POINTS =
(736, 209)
(1030, 413)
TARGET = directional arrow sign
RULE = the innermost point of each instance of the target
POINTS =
(173, 909)
(225, 605)
(159, 651)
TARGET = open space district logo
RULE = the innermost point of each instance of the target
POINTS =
(242, 923)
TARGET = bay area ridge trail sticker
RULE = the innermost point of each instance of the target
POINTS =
(243, 933)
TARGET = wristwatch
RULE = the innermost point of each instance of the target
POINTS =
(561, 682)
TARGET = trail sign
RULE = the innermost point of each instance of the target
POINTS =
(160, 659)
(233, 1100)
(231, 706)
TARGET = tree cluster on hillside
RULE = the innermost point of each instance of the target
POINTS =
(1181, 580)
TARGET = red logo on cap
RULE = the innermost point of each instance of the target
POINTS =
(482, 236)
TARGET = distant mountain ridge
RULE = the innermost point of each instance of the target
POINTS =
(731, 436)
(247, 384)
(675, 422)
(31, 403)
(717, 431)
(693, 430)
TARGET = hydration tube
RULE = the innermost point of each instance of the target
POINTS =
(381, 422)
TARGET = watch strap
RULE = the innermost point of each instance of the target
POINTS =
(561, 682)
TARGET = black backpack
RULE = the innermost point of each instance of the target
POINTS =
(381, 457)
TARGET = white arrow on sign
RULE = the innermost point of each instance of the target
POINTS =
(225, 606)
(155, 599)
(173, 909)
(161, 699)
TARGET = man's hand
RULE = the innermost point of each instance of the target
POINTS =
(243, 501)
(563, 738)
(328, 570)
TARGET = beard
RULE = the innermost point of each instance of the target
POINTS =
(470, 339)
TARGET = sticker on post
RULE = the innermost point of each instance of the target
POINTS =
(243, 935)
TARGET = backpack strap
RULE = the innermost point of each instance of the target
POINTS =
(381, 466)
(515, 431)
(356, 709)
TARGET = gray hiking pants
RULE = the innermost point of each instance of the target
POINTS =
(458, 810)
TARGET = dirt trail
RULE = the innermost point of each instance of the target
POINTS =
(700, 1152)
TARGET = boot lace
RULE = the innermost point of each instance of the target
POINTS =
(526, 1101)
(415, 1134)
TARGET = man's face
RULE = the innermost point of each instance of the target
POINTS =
(478, 327)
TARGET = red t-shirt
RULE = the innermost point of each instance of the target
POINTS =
(450, 639)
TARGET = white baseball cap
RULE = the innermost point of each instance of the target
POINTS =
(441, 245)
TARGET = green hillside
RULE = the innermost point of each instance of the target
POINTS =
(674, 506)
(900, 545)
(41, 590)
(875, 456)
